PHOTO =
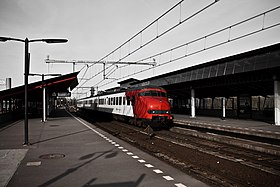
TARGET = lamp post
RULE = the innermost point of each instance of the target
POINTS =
(26, 42)
(44, 92)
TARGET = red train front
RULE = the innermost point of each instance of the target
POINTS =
(150, 106)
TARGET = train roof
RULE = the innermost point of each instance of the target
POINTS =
(144, 87)
(119, 90)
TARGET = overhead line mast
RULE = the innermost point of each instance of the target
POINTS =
(74, 62)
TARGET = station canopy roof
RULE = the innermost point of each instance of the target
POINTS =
(53, 85)
(252, 72)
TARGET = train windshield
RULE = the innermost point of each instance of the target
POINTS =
(153, 93)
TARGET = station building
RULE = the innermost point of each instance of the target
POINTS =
(245, 86)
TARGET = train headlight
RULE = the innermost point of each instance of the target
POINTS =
(151, 112)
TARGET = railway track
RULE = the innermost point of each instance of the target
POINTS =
(214, 162)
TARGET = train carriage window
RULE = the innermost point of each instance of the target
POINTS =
(123, 100)
(128, 100)
(114, 100)
(120, 100)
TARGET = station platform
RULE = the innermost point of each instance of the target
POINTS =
(239, 126)
(67, 151)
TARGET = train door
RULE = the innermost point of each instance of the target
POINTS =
(123, 105)
(118, 106)
(128, 110)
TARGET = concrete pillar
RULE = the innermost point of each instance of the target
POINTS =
(224, 107)
(277, 102)
(1, 107)
(8, 83)
(10, 105)
(47, 103)
(6, 105)
(192, 103)
(44, 105)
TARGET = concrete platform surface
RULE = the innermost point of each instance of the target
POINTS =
(241, 126)
(67, 151)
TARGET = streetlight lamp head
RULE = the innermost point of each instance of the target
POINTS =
(3, 39)
(55, 40)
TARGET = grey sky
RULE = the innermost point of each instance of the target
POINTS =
(96, 27)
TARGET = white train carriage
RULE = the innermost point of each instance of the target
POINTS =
(115, 103)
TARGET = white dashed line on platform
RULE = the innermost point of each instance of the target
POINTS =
(158, 171)
(180, 185)
(168, 178)
(141, 161)
(149, 165)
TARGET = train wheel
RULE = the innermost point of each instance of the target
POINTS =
(144, 125)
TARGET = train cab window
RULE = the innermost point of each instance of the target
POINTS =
(153, 93)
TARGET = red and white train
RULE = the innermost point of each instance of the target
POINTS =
(140, 106)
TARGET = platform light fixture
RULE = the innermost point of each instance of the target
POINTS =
(26, 41)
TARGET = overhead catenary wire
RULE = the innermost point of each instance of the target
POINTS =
(263, 27)
(204, 48)
(134, 36)
(153, 39)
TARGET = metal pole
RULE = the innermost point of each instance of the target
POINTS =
(73, 67)
(224, 108)
(192, 103)
(44, 100)
(26, 72)
(277, 102)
